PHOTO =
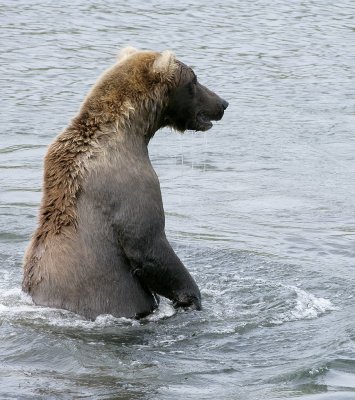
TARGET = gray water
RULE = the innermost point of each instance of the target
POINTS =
(260, 208)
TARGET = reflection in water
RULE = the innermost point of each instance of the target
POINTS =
(260, 208)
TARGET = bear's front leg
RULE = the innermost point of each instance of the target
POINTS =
(163, 273)
(140, 226)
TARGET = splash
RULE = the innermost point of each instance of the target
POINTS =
(16, 306)
(306, 306)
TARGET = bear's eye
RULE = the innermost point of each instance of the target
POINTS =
(191, 86)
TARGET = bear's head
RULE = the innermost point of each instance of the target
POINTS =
(159, 89)
(191, 105)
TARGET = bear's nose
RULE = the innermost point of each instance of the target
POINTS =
(224, 104)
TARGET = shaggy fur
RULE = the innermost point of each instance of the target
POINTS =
(100, 239)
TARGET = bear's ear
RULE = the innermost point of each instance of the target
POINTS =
(165, 64)
(125, 53)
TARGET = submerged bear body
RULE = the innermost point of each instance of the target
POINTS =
(100, 245)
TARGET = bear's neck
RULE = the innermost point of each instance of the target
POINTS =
(142, 117)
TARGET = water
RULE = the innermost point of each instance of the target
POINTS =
(260, 209)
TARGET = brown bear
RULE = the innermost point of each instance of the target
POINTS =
(100, 245)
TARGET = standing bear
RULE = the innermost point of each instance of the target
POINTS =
(100, 245)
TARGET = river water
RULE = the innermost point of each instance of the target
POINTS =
(260, 208)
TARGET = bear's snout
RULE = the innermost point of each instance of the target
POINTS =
(220, 107)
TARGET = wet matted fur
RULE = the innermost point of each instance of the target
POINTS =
(100, 245)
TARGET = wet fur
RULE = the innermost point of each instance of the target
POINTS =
(100, 245)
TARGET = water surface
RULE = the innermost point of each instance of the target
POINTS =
(260, 208)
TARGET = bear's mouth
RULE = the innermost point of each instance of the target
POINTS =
(203, 122)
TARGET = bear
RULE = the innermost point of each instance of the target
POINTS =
(100, 245)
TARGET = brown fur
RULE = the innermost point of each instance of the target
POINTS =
(99, 248)
(115, 99)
